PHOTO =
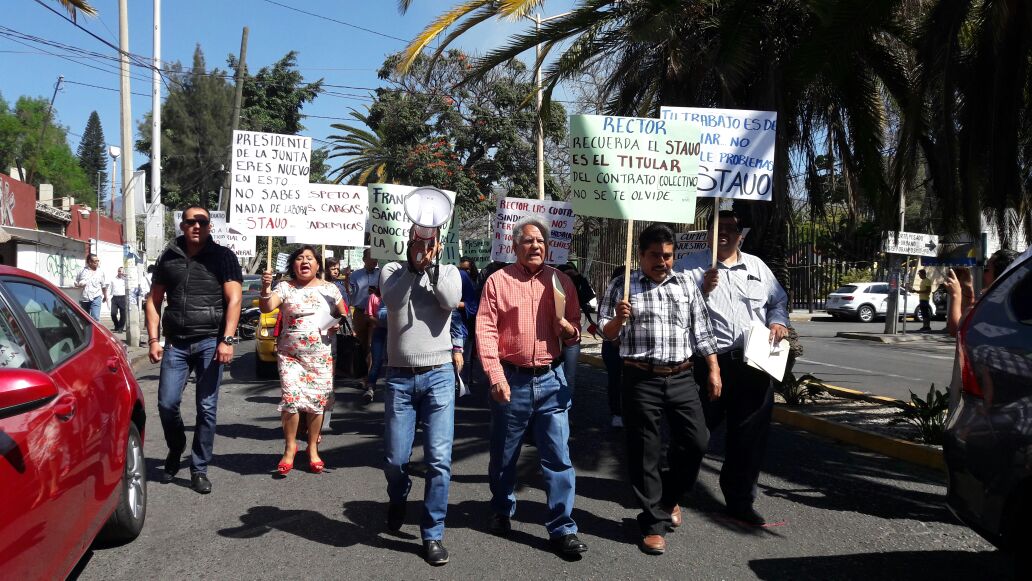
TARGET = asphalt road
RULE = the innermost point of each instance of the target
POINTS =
(842, 513)
(882, 369)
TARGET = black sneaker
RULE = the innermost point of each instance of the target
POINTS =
(200, 483)
(173, 462)
(568, 545)
(499, 525)
(396, 516)
(747, 515)
(434, 553)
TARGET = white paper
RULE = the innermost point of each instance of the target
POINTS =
(761, 354)
(560, 296)
(325, 318)
(463, 389)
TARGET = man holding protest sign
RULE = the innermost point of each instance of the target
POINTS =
(739, 290)
(419, 297)
(661, 324)
(520, 337)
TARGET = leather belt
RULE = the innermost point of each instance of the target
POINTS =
(536, 371)
(661, 370)
(734, 355)
(418, 370)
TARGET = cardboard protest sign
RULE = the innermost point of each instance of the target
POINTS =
(452, 251)
(269, 180)
(634, 168)
(558, 215)
(388, 225)
(336, 215)
(241, 243)
(690, 243)
(281, 261)
(737, 157)
(478, 250)
(352, 257)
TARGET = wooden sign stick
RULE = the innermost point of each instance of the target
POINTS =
(323, 260)
(716, 229)
(268, 254)
(627, 261)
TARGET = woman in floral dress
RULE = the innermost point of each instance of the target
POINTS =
(303, 349)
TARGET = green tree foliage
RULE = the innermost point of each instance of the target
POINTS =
(92, 152)
(53, 162)
(429, 128)
(319, 170)
(273, 98)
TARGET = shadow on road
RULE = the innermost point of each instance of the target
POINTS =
(911, 565)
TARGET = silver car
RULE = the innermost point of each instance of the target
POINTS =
(988, 440)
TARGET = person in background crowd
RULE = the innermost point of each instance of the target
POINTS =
(924, 297)
(739, 291)
(520, 338)
(376, 310)
(94, 286)
(461, 319)
(202, 281)
(347, 328)
(614, 370)
(118, 300)
(420, 296)
(585, 298)
(661, 325)
(487, 271)
(303, 349)
(961, 287)
(360, 281)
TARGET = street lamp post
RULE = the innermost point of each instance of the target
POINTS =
(114, 151)
(537, 90)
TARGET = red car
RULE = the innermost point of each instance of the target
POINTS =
(71, 432)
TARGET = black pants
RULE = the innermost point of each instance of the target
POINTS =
(647, 397)
(118, 312)
(746, 403)
(614, 370)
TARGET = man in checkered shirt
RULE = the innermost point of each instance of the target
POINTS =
(660, 327)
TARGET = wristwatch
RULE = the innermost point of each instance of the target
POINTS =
(230, 340)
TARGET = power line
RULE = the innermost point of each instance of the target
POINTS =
(348, 24)
(105, 88)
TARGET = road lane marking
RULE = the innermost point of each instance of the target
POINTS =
(868, 372)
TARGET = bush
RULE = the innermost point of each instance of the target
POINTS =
(928, 415)
(857, 275)
(798, 391)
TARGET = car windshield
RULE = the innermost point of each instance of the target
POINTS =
(849, 288)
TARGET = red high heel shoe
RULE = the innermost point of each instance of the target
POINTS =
(284, 467)
(317, 467)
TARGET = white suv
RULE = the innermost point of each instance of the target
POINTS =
(859, 300)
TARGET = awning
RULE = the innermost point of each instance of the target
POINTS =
(42, 238)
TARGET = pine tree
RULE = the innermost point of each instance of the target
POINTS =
(92, 153)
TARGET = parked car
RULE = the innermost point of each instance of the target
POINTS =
(988, 439)
(265, 345)
(71, 432)
(251, 288)
(864, 301)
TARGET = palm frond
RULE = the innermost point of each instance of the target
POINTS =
(434, 29)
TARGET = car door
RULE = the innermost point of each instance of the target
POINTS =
(40, 483)
(879, 297)
(78, 364)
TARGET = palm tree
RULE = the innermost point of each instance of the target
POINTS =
(366, 158)
(75, 6)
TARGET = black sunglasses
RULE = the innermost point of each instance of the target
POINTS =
(202, 222)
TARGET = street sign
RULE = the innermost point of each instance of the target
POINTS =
(911, 243)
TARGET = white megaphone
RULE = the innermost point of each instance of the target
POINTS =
(428, 209)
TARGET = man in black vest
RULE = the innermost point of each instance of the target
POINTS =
(202, 281)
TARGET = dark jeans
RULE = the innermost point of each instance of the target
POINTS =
(926, 313)
(378, 351)
(118, 312)
(614, 369)
(646, 398)
(746, 403)
(181, 358)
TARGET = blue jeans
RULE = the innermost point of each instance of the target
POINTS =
(543, 404)
(92, 307)
(426, 399)
(179, 359)
(571, 353)
(378, 353)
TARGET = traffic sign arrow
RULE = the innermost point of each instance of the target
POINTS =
(931, 245)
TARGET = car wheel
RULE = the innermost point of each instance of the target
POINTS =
(126, 522)
(865, 313)
(264, 369)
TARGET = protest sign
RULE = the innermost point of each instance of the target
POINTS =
(634, 168)
(241, 243)
(269, 180)
(451, 252)
(697, 241)
(558, 215)
(388, 224)
(352, 257)
(478, 250)
(281, 261)
(336, 215)
(737, 155)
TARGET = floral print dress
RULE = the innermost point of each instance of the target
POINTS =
(303, 352)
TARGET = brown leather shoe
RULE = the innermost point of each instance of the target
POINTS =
(675, 516)
(653, 544)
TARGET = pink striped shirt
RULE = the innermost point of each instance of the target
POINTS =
(516, 321)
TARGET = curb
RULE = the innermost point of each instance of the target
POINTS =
(920, 454)
(891, 339)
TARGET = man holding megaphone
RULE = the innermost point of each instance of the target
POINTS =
(420, 296)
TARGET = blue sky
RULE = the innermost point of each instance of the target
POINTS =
(340, 54)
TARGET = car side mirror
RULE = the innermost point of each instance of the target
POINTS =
(22, 390)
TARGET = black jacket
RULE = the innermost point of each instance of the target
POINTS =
(193, 287)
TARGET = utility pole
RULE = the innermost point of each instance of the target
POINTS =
(237, 102)
(540, 123)
(132, 327)
(892, 307)
(154, 229)
(43, 131)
